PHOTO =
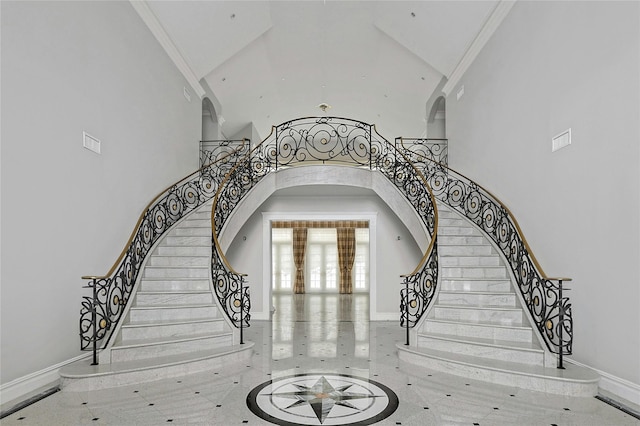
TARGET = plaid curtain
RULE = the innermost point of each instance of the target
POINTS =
(346, 256)
(299, 248)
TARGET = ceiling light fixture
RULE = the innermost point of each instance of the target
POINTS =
(324, 106)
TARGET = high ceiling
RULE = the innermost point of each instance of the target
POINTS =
(271, 61)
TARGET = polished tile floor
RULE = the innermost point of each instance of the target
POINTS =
(324, 335)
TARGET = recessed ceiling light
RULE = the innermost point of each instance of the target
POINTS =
(260, 96)
(413, 15)
(386, 96)
(233, 16)
(423, 78)
(224, 78)
(324, 106)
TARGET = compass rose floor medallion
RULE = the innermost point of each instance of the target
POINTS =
(322, 399)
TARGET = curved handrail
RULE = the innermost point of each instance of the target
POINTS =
(216, 197)
(550, 311)
(112, 290)
(321, 139)
(150, 205)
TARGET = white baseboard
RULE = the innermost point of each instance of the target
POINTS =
(385, 316)
(22, 387)
(615, 385)
(261, 316)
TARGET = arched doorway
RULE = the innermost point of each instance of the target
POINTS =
(210, 128)
(437, 120)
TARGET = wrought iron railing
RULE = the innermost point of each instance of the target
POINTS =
(213, 150)
(325, 140)
(101, 311)
(549, 309)
(433, 149)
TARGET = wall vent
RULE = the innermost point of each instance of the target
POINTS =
(561, 140)
(90, 142)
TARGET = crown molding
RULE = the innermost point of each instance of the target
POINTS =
(490, 26)
(149, 18)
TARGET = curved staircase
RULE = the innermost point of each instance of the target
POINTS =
(173, 325)
(477, 327)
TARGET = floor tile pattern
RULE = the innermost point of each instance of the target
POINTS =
(324, 335)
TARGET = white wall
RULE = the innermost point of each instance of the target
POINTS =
(549, 67)
(394, 257)
(67, 212)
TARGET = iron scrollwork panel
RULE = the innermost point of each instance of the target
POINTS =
(419, 291)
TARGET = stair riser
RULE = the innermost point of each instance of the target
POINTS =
(495, 353)
(464, 250)
(174, 285)
(188, 241)
(122, 354)
(450, 221)
(197, 223)
(520, 381)
(145, 299)
(457, 231)
(493, 316)
(462, 240)
(470, 261)
(475, 285)
(474, 272)
(179, 261)
(190, 232)
(483, 332)
(173, 330)
(201, 215)
(182, 251)
(167, 314)
(160, 272)
(466, 299)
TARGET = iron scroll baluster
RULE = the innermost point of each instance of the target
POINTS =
(561, 311)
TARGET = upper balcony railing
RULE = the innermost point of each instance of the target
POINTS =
(323, 140)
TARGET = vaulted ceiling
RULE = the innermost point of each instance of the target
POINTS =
(270, 61)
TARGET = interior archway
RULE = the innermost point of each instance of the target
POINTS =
(437, 120)
(210, 128)
(397, 240)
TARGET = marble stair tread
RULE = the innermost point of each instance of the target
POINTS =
(171, 292)
(181, 306)
(168, 340)
(204, 256)
(132, 324)
(173, 278)
(494, 343)
(482, 307)
(478, 293)
(572, 373)
(176, 267)
(479, 323)
(83, 368)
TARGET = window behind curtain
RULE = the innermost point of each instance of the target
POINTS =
(322, 260)
(361, 263)
(321, 263)
(282, 267)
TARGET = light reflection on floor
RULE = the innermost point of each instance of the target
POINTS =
(321, 334)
